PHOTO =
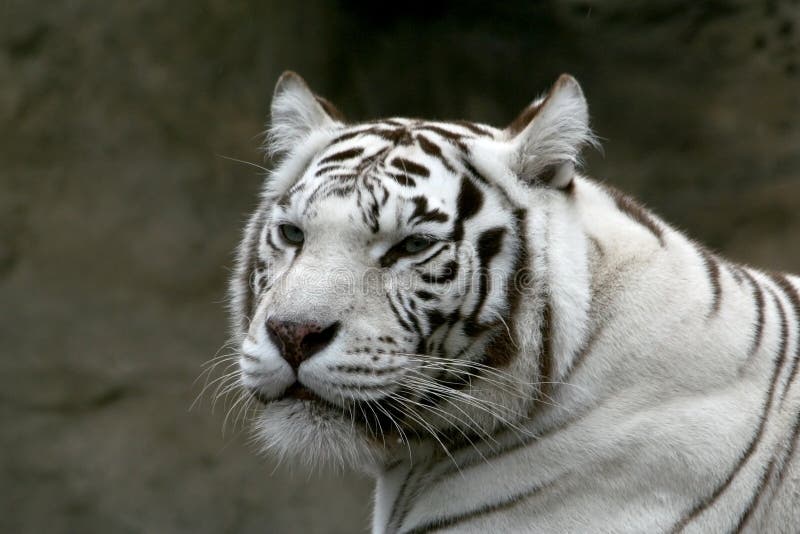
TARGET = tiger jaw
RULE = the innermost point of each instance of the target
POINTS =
(331, 424)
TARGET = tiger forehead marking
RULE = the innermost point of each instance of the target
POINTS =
(415, 161)
(503, 343)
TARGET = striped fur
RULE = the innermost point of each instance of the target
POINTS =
(548, 356)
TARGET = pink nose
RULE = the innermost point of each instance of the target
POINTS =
(298, 342)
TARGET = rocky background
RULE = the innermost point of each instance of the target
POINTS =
(119, 210)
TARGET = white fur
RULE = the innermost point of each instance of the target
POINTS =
(652, 396)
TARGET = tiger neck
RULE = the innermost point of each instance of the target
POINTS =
(597, 247)
(565, 288)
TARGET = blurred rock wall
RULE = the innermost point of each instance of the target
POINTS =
(119, 210)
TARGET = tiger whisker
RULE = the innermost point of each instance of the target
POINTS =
(257, 166)
(470, 400)
(222, 382)
(503, 387)
(210, 367)
(400, 431)
(242, 397)
(450, 418)
(377, 423)
(475, 403)
(433, 360)
(426, 426)
(220, 379)
(508, 330)
(445, 415)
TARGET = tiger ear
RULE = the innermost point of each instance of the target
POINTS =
(295, 113)
(548, 135)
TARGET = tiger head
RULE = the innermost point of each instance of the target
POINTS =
(386, 294)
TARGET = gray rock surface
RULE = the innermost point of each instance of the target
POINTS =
(118, 213)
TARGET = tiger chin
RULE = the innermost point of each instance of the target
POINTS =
(502, 342)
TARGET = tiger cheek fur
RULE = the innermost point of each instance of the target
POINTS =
(503, 342)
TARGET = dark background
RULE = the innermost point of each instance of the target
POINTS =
(118, 216)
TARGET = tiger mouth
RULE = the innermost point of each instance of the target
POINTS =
(300, 392)
(296, 391)
(375, 421)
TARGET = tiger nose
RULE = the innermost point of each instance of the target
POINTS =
(298, 342)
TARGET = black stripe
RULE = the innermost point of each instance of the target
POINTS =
(503, 347)
(582, 353)
(396, 136)
(761, 487)
(546, 352)
(780, 358)
(364, 370)
(398, 251)
(341, 192)
(326, 169)
(768, 475)
(475, 128)
(402, 179)
(475, 174)
(758, 296)
(450, 271)
(409, 314)
(452, 137)
(712, 267)
(400, 318)
(373, 208)
(470, 201)
(636, 212)
(403, 503)
(424, 214)
(401, 499)
(434, 150)
(270, 242)
(425, 295)
(791, 293)
(341, 156)
(432, 256)
(489, 245)
(313, 196)
(344, 176)
(451, 521)
(251, 262)
(407, 165)
(370, 161)
(736, 272)
(435, 318)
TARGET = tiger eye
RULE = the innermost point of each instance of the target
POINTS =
(416, 243)
(292, 234)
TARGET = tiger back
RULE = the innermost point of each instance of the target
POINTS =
(504, 343)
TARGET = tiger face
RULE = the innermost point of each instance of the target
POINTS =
(378, 281)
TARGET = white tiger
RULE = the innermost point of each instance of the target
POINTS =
(504, 344)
